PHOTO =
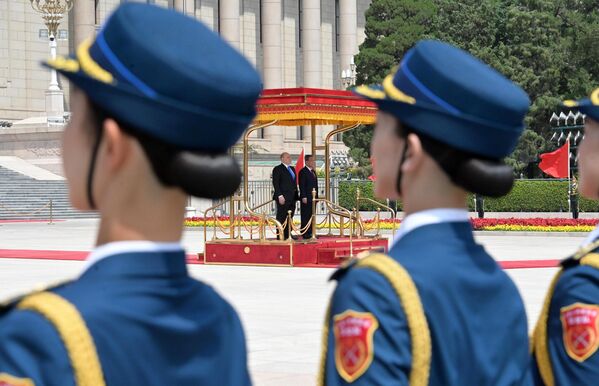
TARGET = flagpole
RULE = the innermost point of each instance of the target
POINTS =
(569, 177)
(569, 170)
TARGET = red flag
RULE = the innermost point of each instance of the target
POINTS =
(299, 165)
(557, 163)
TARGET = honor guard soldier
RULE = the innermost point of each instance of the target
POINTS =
(438, 310)
(566, 336)
(157, 101)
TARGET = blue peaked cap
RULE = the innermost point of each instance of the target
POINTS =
(444, 92)
(588, 106)
(168, 76)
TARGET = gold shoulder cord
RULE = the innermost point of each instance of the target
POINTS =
(325, 344)
(73, 332)
(539, 338)
(592, 260)
(410, 301)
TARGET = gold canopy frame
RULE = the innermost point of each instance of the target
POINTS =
(245, 228)
(308, 107)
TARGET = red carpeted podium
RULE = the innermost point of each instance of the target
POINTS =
(324, 251)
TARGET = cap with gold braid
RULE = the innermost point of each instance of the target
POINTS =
(588, 106)
(167, 75)
(446, 93)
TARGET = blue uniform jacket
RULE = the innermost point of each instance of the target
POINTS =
(475, 314)
(572, 327)
(152, 324)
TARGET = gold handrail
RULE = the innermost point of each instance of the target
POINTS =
(393, 213)
(339, 210)
(264, 217)
(342, 212)
(327, 159)
(246, 160)
(246, 163)
(261, 205)
(237, 222)
(213, 209)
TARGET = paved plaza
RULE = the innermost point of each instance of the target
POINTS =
(282, 309)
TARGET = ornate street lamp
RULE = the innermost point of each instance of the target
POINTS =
(52, 11)
(569, 128)
(348, 77)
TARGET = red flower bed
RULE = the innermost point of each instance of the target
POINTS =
(487, 224)
(547, 222)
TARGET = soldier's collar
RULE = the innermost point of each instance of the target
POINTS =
(429, 217)
(135, 246)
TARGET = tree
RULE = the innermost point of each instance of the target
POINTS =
(392, 27)
(548, 47)
(526, 153)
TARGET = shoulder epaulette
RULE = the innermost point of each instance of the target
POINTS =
(348, 264)
(539, 343)
(581, 256)
(343, 268)
(409, 299)
(9, 303)
(73, 331)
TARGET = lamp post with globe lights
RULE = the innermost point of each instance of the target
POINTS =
(52, 12)
(348, 76)
(569, 128)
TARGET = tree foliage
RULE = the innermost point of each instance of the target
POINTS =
(548, 47)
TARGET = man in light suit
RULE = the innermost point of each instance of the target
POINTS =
(307, 181)
(285, 194)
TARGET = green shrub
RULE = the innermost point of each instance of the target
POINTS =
(526, 196)
(347, 195)
(532, 196)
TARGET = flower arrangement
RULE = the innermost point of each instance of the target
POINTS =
(535, 224)
(482, 224)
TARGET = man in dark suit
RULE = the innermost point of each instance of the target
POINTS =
(307, 181)
(284, 182)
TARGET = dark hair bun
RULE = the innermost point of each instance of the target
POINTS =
(488, 178)
(204, 175)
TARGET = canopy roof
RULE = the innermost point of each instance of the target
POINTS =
(306, 106)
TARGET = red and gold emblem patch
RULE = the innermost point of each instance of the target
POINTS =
(580, 324)
(354, 344)
(9, 380)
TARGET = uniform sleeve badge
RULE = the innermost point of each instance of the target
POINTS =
(580, 325)
(354, 343)
(9, 380)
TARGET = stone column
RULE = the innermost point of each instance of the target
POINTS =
(273, 60)
(348, 25)
(311, 43)
(84, 20)
(229, 21)
(184, 6)
(271, 43)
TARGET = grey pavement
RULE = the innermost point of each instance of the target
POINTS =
(282, 309)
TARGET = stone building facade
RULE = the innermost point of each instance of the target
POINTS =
(293, 43)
